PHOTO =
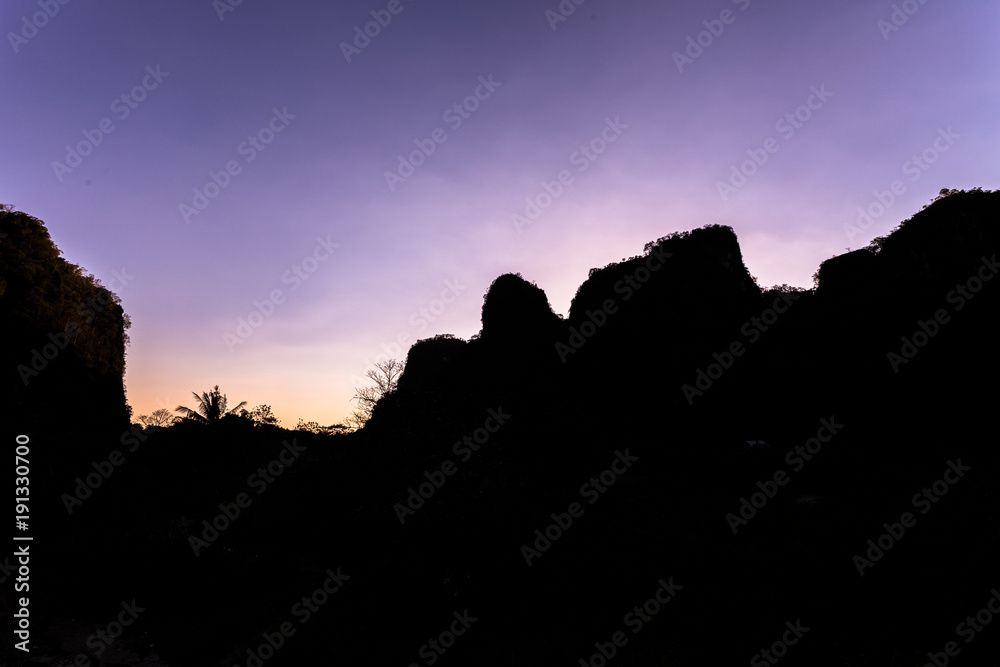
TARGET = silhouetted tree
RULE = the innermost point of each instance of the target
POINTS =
(314, 427)
(262, 415)
(211, 408)
(385, 375)
(785, 288)
(158, 418)
(357, 419)
(303, 425)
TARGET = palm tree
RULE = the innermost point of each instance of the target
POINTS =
(211, 408)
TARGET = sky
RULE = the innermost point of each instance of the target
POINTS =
(284, 193)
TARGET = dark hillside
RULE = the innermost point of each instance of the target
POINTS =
(683, 433)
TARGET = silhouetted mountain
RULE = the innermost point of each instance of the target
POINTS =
(64, 347)
(646, 359)
(550, 475)
(516, 312)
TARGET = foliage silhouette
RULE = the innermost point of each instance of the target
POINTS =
(211, 410)
(315, 427)
(262, 416)
(159, 418)
(385, 375)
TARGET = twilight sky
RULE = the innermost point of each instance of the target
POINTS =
(201, 157)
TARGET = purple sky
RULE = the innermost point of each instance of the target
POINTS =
(600, 101)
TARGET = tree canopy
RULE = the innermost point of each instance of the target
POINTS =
(212, 408)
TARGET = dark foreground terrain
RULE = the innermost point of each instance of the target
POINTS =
(687, 470)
